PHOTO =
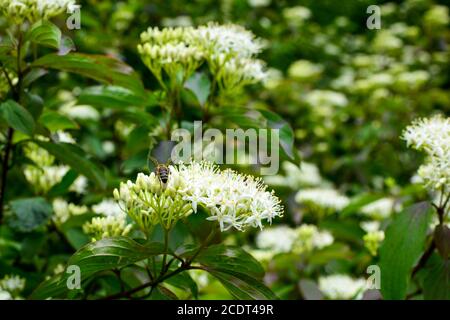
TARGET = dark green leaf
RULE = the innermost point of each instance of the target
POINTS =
(33, 75)
(237, 270)
(242, 286)
(45, 33)
(29, 214)
(184, 281)
(17, 117)
(436, 278)
(230, 258)
(101, 68)
(276, 122)
(111, 97)
(442, 240)
(200, 85)
(359, 202)
(55, 121)
(62, 187)
(403, 245)
(106, 254)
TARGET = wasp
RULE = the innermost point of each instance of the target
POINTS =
(162, 171)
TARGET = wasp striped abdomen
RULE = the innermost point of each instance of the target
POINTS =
(163, 172)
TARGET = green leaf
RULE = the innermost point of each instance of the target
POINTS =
(403, 245)
(358, 202)
(33, 75)
(237, 270)
(63, 186)
(185, 282)
(230, 258)
(17, 117)
(106, 254)
(45, 33)
(76, 158)
(200, 86)
(101, 68)
(276, 122)
(436, 278)
(242, 286)
(29, 214)
(55, 121)
(111, 97)
(442, 240)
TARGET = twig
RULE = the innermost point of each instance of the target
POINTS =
(423, 260)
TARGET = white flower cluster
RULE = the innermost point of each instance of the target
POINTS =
(107, 207)
(33, 10)
(44, 174)
(381, 208)
(325, 199)
(171, 50)
(432, 136)
(282, 239)
(63, 210)
(372, 241)
(231, 199)
(230, 51)
(304, 175)
(109, 226)
(304, 70)
(10, 287)
(341, 287)
(112, 222)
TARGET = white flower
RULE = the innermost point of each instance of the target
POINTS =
(380, 209)
(322, 197)
(109, 226)
(341, 287)
(309, 238)
(296, 15)
(432, 136)
(296, 176)
(82, 112)
(318, 98)
(44, 178)
(33, 10)
(108, 207)
(12, 284)
(229, 39)
(282, 239)
(259, 3)
(304, 70)
(65, 137)
(278, 239)
(108, 147)
(372, 241)
(63, 210)
(229, 50)
(370, 226)
(412, 80)
(5, 295)
(79, 185)
(232, 199)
